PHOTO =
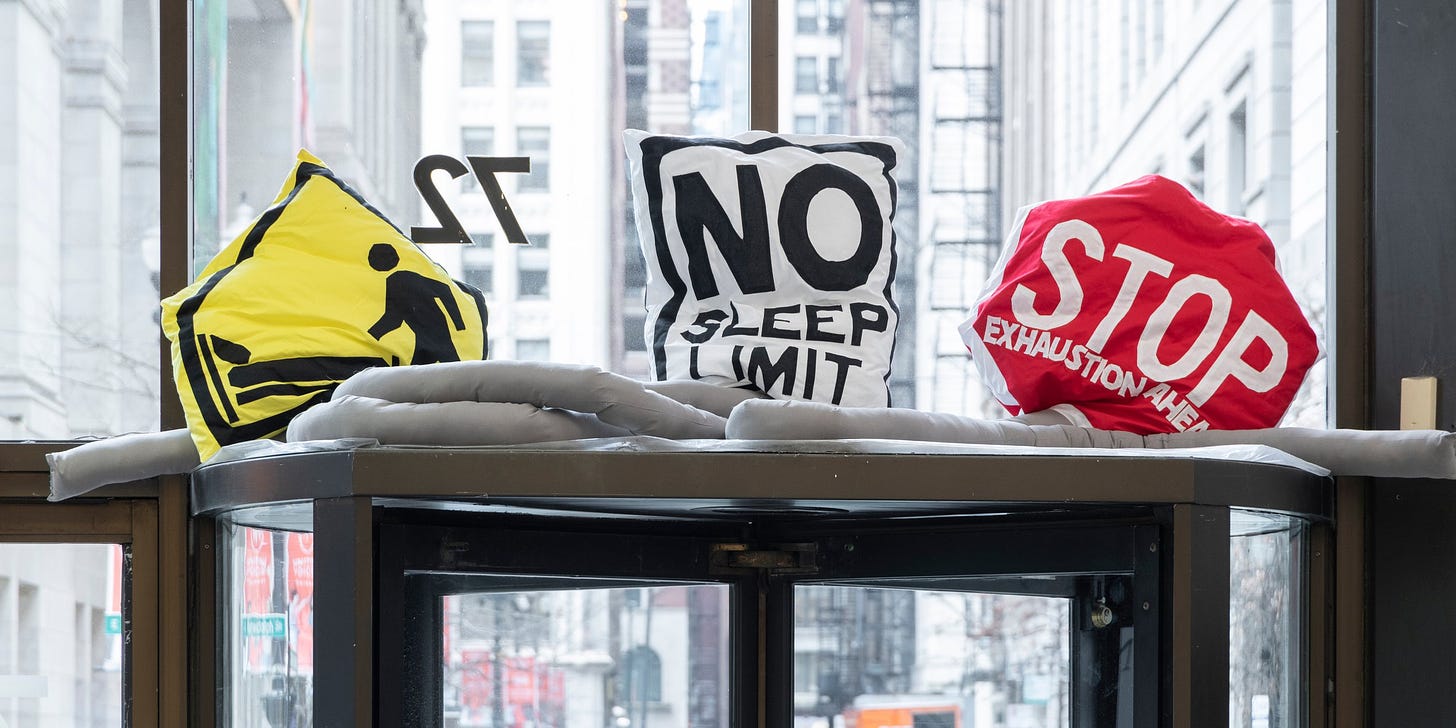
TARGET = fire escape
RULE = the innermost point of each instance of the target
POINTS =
(964, 114)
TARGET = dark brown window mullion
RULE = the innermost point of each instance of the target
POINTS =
(144, 670)
(763, 64)
(170, 511)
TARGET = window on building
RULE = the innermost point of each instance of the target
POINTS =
(532, 283)
(475, 141)
(1158, 21)
(477, 263)
(533, 53)
(1196, 171)
(532, 272)
(806, 16)
(710, 93)
(535, 142)
(713, 29)
(833, 82)
(1140, 47)
(636, 82)
(635, 275)
(633, 334)
(533, 350)
(644, 674)
(1238, 158)
(806, 75)
(477, 53)
(805, 124)
(1125, 50)
(835, 17)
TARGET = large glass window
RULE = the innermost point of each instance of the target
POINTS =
(1003, 105)
(79, 213)
(905, 657)
(63, 624)
(1021, 102)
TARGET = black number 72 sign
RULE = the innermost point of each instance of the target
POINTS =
(485, 168)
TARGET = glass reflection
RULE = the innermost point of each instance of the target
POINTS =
(875, 658)
(1266, 609)
(267, 623)
(62, 634)
(625, 658)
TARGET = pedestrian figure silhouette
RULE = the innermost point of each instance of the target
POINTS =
(410, 301)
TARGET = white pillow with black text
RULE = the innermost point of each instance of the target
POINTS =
(771, 261)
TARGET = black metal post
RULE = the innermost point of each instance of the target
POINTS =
(344, 592)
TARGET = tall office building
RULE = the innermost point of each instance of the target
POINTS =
(516, 79)
(78, 218)
(78, 340)
(852, 67)
(1232, 105)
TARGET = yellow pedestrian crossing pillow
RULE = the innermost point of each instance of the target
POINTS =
(319, 287)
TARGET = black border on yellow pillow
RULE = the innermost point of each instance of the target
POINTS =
(197, 354)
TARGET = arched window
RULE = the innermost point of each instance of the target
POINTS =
(644, 674)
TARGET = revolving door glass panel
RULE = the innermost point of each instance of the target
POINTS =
(994, 622)
(65, 634)
(1268, 578)
(1029, 652)
(929, 658)
(608, 656)
(267, 625)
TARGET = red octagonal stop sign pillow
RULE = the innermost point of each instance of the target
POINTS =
(1141, 309)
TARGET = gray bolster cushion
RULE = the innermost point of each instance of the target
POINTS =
(499, 403)
(715, 398)
(120, 459)
(1389, 453)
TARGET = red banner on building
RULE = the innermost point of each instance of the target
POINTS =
(300, 599)
(257, 587)
(521, 681)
